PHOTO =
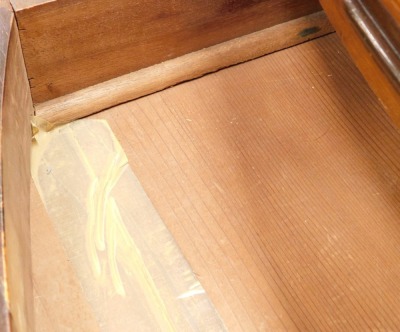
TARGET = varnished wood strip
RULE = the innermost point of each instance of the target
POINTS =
(380, 33)
(16, 111)
(73, 44)
(358, 42)
(393, 7)
(161, 76)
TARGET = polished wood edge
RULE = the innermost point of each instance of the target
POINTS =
(360, 48)
(158, 77)
(380, 32)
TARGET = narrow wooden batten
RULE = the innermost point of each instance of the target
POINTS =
(158, 77)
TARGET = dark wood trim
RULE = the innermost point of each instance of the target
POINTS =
(380, 32)
(370, 30)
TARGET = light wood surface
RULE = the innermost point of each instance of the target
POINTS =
(72, 44)
(364, 56)
(6, 19)
(59, 303)
(16, 135)
(143, 82)
(279, 180)
(25, 4)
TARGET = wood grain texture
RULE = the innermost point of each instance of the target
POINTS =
(393, 7)
(364, 56)
(6, 19)
(72, 44)
(59, 302)
(131, 86)
(25, 4)
(155, 78)
(279, 180)
(17, 109)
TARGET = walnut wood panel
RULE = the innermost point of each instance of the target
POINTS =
(72, 44)
(370, 30)
(16, 110)
(279, 180)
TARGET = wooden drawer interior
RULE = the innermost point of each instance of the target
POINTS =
(257, 140)
(286, 167)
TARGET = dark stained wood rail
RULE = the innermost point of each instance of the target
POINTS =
(370, 30)
(381, 33)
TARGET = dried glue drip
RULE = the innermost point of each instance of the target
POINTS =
(130, 268)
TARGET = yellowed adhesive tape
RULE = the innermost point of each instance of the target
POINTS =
(130, 268)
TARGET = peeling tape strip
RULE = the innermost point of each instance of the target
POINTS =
(131, 270)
